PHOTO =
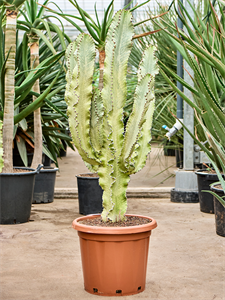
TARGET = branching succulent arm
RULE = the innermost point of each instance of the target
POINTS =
(96, 118)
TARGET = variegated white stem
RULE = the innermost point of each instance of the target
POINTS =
(96, 117)
(34, 62)
(10, 47)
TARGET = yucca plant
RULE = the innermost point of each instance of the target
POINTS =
(34, 25)
(13, 93)
(53, 107)
(11, 11)
(206, 41)
(96, 117)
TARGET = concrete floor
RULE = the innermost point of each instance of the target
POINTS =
(41, 259)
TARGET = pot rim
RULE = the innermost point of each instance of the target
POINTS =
(113, 230)
(34, 171)
(46, 169)
(212, 187)
(200, 172)
(87, 177)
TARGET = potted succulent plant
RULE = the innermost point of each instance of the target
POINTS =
(114, 152)
(89, 182)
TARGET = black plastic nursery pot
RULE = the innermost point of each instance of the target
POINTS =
(63, 152)
(89, 194)
(219, 210)
(16, 195)
(205, 199)
(17, 161)
(45, 185)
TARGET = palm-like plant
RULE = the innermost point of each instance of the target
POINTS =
(98, 30)
(53, 107)
(11, 11)
(20, 85)
(34, 23)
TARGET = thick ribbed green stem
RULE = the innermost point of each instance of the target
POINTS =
(96, 117)
(34, 61)
(10, 46)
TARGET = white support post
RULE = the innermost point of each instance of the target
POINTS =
(188, 111)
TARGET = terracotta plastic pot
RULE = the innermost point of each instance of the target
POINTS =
(114, 259)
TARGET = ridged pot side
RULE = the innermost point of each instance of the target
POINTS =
(219, 211)
(45, 185)
(16, 195)
(89, 194)
(114, 259)
(205, 199)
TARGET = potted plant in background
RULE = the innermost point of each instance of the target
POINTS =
(209, 77)
(207, 44)
(16, 202)
(114, 152)
(33, 25)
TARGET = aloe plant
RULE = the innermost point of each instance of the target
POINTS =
(206, 42)
(96, 117)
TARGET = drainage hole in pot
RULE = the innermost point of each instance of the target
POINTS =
(95, 290)
(139, 288)
(118, 291)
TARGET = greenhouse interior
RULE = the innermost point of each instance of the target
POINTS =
(112, 132)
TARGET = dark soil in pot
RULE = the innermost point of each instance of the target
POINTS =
(205, 178)
(219, 210)
(45, 185)
(129, 221)
(89, 194)
(16, 195)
